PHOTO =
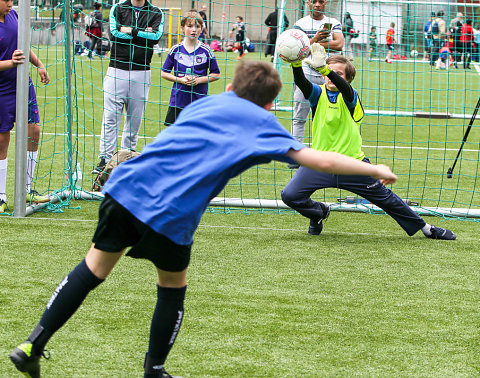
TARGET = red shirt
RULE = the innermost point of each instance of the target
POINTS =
(390, 38)
(467, 33)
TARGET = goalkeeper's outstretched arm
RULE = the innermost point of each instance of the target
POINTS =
(332, 162)
(300, 80)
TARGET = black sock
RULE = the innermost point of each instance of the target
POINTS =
(66, 299)
(166, 322)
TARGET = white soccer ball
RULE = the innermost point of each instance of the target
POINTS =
(414, 53)
(292, 45)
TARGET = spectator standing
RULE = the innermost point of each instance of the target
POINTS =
(10, 58)
(456, 45)
(372, 40)
(348, 32)
(476, 45)
(466, 39)
(136, 26)
(193, 65)
(427, 37)
(438, 33)
(94, 29)
(272, 22)
(204, 34)
(456, 20)
(239, 29)
(390, 42)
(326, 31)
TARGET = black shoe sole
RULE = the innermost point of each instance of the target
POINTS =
(21, 362)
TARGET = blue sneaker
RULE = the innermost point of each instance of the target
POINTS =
(26, 361)
(316, 225)
(441, 233)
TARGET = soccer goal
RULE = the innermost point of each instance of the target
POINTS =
(416, 115)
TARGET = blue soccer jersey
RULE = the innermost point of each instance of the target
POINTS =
(8, 78)
(8, 44)
(199, 62)
(169, 186)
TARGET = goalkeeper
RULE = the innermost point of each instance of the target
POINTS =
(337, 115)
(154, 202)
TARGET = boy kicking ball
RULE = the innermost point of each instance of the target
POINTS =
(153, 203)
(338, 114)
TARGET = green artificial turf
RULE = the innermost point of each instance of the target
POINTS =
(264, 299)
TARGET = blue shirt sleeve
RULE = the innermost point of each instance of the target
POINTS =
(315, 95)
(169, 61)
(351, 105)
(213, 66)
(273, 141)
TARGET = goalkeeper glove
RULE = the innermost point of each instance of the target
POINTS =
(318, 59)
(297, 63)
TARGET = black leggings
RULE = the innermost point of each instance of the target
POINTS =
(172, 114)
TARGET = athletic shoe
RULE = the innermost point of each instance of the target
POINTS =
(162, 373)
(3, 206)
(26, 361)
(316, 226)
(35, 197)
(293, 166)
(441, 233)
(100, 167)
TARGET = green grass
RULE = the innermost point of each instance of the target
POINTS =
(264, 299)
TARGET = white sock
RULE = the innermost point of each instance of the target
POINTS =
(427, 229)
(3, 179)
(31, 161)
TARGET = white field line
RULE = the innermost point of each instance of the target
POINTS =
(364, 146)
(257, 229)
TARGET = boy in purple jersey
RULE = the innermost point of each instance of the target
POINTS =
(154, 202)
(10, 58)
(191, 61)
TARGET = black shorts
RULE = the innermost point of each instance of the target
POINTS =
(118, 229)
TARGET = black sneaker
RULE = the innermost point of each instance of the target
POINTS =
(26, 361)
(162, 373)
(100, 167)
(153, 368)
(316, 226)
(293, 166)
(441, 233)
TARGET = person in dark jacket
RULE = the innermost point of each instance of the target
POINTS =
(272, 22)
(94, 29)
(136, 26)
